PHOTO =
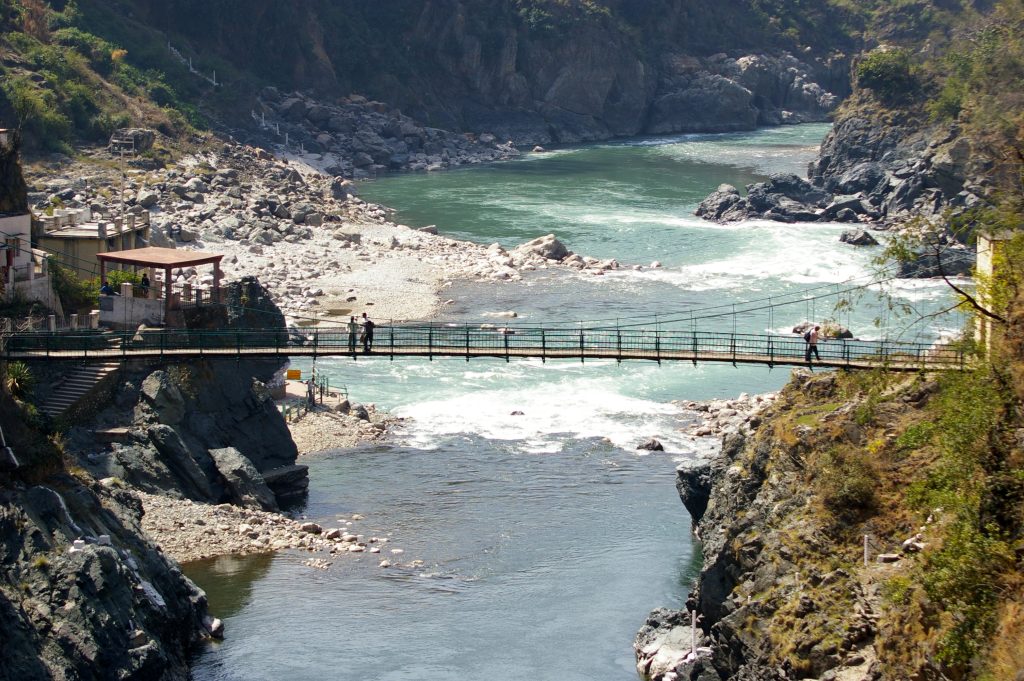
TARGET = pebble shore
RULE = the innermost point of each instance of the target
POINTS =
(188, 531)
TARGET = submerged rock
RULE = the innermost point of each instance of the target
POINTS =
(858, 237)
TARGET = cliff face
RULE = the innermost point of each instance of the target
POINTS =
(13, 191)
(781, 513)
(206, 430)
(533, 72)
(866, 526)
(108, 605)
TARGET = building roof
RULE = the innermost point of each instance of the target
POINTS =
(90, 230)
(163, 258)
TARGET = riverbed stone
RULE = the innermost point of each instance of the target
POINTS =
(244, 483)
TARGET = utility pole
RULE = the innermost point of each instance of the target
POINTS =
(123, 222)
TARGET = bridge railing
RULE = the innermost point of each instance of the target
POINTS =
(455, 340)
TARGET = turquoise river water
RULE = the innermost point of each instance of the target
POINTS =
(532, 546)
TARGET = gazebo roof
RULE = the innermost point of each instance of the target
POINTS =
(164, 258)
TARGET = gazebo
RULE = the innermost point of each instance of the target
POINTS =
(167, 259)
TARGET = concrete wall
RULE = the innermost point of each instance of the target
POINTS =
(15, 231)
(128, 312)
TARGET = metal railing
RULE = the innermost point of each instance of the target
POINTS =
(470, 341)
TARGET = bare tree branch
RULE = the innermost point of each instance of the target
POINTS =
(971, 300)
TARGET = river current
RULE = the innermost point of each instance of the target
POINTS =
(533, 545)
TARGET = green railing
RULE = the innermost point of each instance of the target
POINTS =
(446, 340)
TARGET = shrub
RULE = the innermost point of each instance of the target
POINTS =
(846, 483)
(888, 72)
(37, 112)
(74, 292)
(19, 379)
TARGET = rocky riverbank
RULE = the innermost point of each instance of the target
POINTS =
(879, 170)
(341, 427)
(188, 531)
(321, 251)
(784, 591)
(357, 138)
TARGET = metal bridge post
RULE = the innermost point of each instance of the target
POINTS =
(430, 342)
(391, 335)
(467, 343)
(732, 345)
(316, 343)
(506, 348)
(771, 352)
(657, 344)
(581, 346)
(694, 332)
(618, 345)
(543, 347)
(846, 352)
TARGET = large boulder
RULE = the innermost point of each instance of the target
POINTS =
(164, 397)
(546, 246)
(858, 237)
(142, 139)
(243, 482)
(791, 186)
(147, 198)
(719, 202)
(175, 455)
(863, 177)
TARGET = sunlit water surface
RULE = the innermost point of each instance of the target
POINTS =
(533, 545)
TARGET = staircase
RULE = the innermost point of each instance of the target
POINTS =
(75, 385)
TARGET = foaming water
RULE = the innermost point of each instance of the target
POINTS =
(534, 536)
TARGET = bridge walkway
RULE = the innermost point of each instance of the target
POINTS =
(462, 341)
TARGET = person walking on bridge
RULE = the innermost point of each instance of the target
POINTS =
(812, 337)
(367, 333)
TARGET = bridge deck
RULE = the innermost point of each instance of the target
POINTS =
(467, 343)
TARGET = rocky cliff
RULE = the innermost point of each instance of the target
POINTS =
(532, 72)
(83, 595)
(784, 592)
(876, 167)
(206, 430)
(863, 527)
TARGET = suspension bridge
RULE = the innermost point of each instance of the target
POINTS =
(672, 336)
(436, 341)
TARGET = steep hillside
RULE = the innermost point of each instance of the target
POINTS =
(928, 468)
(530, 70)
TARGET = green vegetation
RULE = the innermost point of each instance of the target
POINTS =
(968, 572)
(888, 72)
(69, 85)
(74, 293)
(19, 380)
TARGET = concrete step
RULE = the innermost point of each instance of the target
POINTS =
(76, 385)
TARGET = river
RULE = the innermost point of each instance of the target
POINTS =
(533, 545)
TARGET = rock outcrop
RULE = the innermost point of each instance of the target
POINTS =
(13, 191)
(882, 173)
(784, 198)
(207, 430)
(83, 594)
(776, 597)
(724, 94)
